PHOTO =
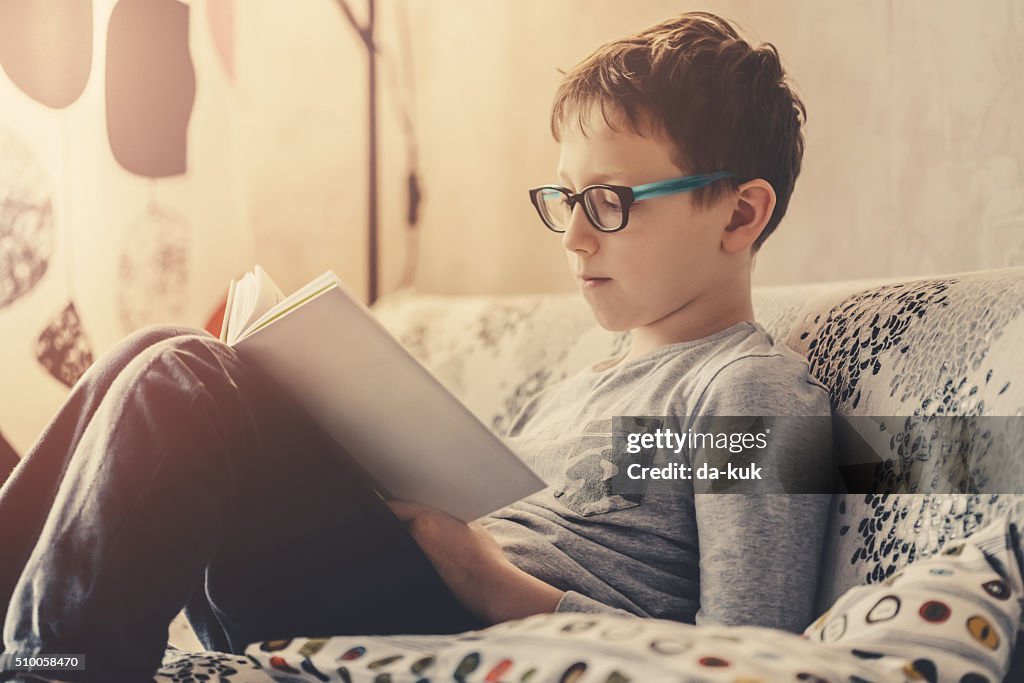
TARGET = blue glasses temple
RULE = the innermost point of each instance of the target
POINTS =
(684, 184)
(671, 186)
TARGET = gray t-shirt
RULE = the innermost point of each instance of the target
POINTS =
(669, 552)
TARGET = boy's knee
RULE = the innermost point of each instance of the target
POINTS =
(110, 365)
(154, 334)
(187, 359)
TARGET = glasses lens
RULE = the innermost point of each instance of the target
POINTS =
(604, 208)
(554, 207)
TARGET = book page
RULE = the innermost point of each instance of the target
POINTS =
(252, 297)
(225, 322)
(292, 301)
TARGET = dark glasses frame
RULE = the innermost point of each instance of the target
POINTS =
(627, 196)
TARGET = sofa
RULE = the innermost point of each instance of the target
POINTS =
(951, 345)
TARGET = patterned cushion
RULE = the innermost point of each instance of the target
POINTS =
(181, 666)
(953, 616)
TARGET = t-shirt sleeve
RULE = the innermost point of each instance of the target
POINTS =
(760, 552)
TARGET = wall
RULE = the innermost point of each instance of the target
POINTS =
(914, 161)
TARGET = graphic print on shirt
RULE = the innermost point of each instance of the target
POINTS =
(596, 479)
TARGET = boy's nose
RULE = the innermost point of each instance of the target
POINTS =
(579, 234)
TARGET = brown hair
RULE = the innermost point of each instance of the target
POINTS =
(724, 105)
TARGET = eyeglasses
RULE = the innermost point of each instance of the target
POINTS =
(607, 206)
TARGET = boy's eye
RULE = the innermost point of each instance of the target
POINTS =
(604, 199)
(604, 208)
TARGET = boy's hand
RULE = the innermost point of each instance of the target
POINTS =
(474, 567)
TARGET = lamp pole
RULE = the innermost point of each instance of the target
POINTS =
(366, 34)
(372, 244)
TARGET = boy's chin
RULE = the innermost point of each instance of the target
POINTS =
(610, 324)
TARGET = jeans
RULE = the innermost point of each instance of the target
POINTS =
(175, 475)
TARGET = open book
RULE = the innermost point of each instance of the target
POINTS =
(415, 439)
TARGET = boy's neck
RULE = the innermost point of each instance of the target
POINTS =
(699, 318)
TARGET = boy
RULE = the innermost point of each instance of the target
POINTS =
(174, 475)
(687, 102)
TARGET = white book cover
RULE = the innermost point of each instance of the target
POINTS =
(401, 425)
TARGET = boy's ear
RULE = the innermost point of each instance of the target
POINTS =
(754, 203)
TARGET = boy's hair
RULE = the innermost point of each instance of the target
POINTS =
(725, 106)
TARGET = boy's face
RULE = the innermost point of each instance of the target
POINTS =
(667, 258)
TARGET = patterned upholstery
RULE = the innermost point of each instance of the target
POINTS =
(934, 346)
(941, 346)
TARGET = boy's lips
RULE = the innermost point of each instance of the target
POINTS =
(592, 280)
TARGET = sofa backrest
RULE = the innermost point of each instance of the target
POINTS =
(945, 346)
(934, 346)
